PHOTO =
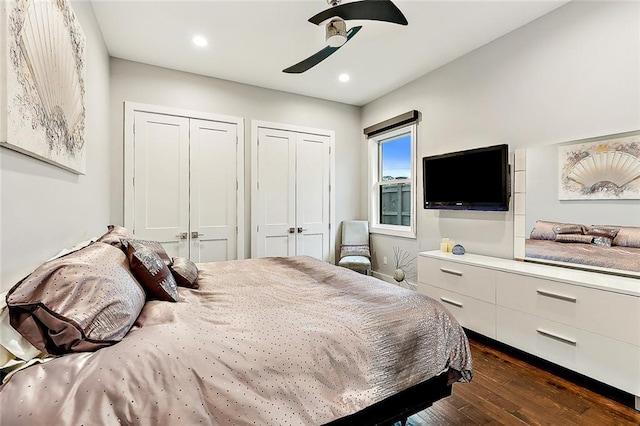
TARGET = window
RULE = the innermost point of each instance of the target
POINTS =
(392, 182)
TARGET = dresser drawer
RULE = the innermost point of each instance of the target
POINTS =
(474, 314)
(473, 281)
(609, 314)
(607, 360)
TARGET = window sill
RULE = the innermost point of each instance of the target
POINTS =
(393, 230)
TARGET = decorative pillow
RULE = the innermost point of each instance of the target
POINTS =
(569, 229)
(13, 345)
(602, 232)
(114, 234)
(602, 241)
(155, 246)
(185, 272)
(80, 302)
(544, 230)
(574, 238)
(355, 250)
(627, 236)
(151, 272)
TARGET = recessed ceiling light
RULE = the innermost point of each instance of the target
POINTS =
(344, 78)
(199, 41)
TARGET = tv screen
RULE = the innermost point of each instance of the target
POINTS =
(476, 179)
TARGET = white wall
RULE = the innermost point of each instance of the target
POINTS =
(136, 82)
(45, 208)
(569, 75)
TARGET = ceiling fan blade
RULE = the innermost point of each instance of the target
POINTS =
(372, 10)
(315, 59)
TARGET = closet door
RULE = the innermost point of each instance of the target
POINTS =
(183, 181)
(290, 206)
(161, 180)
(274, 215)
(312, 196)
(213, 194)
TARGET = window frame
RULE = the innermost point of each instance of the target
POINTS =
(374, 182)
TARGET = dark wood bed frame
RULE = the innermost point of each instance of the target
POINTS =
(398, 407)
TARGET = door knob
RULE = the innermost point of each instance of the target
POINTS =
(196, 234)
(292, 230)
(182, 236)
(300, 230)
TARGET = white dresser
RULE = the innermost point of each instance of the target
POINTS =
(584, 321)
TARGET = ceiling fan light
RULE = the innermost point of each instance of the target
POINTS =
(336, 33)
(336, 40)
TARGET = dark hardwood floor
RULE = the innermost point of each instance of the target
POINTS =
(509, 388)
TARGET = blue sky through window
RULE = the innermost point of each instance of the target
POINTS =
(396, 157)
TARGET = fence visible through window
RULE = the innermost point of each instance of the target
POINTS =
(395, 204)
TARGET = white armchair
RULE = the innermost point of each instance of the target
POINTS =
(355, 251)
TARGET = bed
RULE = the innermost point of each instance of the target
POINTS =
(603, 246)
(267, 341)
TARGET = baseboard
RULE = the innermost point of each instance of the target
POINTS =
(383, 277)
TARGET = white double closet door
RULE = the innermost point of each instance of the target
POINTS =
(290, 193)
(184, 185)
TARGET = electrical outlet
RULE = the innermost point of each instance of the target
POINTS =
(384, 260)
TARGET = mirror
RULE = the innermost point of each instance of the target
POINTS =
(587, 183)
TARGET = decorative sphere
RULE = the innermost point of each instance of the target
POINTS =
(458, 249)
(398, 275)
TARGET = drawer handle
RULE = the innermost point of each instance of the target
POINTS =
(557, 296)
(451, 302)
(451, 271)
(556, 337)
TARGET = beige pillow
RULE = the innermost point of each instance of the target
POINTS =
(114, 234)
(602, 241)
(185, 272)
(80, 302)
(601, 232)
(574, 238)
(355, 250)
(569, 229)
(544, 230)
(155, 246)
(151, 272)
(627, 236)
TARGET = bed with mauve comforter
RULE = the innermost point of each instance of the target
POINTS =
(269, 341)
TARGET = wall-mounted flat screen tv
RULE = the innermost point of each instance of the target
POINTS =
(475, 179)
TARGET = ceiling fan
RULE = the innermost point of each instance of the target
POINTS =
(336, 28)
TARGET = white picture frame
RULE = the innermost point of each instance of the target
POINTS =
(604, 169)
(45, 86)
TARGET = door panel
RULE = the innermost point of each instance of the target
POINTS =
(312, 196)
(216, 250)
(213, 195)
(274, 214)
(161, 180)
(277, 245)
(313, 245)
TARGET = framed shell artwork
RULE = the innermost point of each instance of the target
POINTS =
(45, 86)
(603, 169)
